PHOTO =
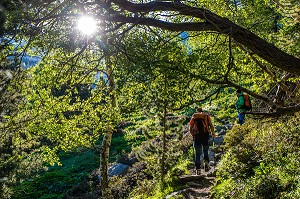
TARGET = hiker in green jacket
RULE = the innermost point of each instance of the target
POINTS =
(240, 106)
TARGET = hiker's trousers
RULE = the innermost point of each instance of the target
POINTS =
(241, 117)
(198, 153)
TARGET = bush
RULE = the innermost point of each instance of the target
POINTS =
(261, 161)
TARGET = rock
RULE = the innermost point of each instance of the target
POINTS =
(212, 174)
(172, 195)
(211, 154)
(211, 163)
(193, 184)
(219, 140)
(118, 169)
(189, 178)
(219, 128)
(127, 160)
(228, 126)
(222, 132)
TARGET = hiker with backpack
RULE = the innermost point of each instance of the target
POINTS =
(200, 128)
(242, 104)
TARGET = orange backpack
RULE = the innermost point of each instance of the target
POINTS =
(247, 102)
(203, 118)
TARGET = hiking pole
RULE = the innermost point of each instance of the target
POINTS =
(194, 158)
(214, 153)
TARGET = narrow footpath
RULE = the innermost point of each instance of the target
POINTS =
(199, 186)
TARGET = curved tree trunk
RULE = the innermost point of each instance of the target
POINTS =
(211, 22)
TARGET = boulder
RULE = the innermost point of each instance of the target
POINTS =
(124, 159)
(118, 169)
(219, 140)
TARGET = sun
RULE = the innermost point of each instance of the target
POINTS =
(87, 25)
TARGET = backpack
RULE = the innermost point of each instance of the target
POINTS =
(247, 102)
(200, 125)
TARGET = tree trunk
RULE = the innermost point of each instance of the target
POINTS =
(104, 157)
(164, 149)
(105, 148)
(163, 157)
(211, 22)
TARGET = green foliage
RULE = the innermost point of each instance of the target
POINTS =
(57, 180)
(74, 169)
(149, 152)
(162, 74)
(148, 188)
(222, 107)
(16, 159)
(261, 161)
(120, 145)
(51, 107)
(58, 111)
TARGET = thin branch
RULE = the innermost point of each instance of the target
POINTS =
(199, 100)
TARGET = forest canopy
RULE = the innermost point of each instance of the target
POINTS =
(149, 57)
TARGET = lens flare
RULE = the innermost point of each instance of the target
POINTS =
(87, 25)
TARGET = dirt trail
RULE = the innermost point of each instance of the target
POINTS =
(198, 186)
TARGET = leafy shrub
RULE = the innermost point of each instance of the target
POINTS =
(149, 153)
(261, 161)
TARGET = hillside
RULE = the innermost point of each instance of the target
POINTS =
(97, 99)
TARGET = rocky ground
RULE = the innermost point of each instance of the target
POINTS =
(196, 186)
(199, 186)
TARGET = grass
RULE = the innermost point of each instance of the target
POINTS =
(55, 182)
(76, 167)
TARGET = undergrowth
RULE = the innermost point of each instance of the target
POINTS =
(261, 161)
(57, 180)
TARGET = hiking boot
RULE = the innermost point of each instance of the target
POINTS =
(202, 164)
(197, 166)
(206, 166)
(198, 172)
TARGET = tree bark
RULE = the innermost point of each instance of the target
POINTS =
(105, 148)
(211, 22)
(164, 151)
(104, 157)
(163, 157)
